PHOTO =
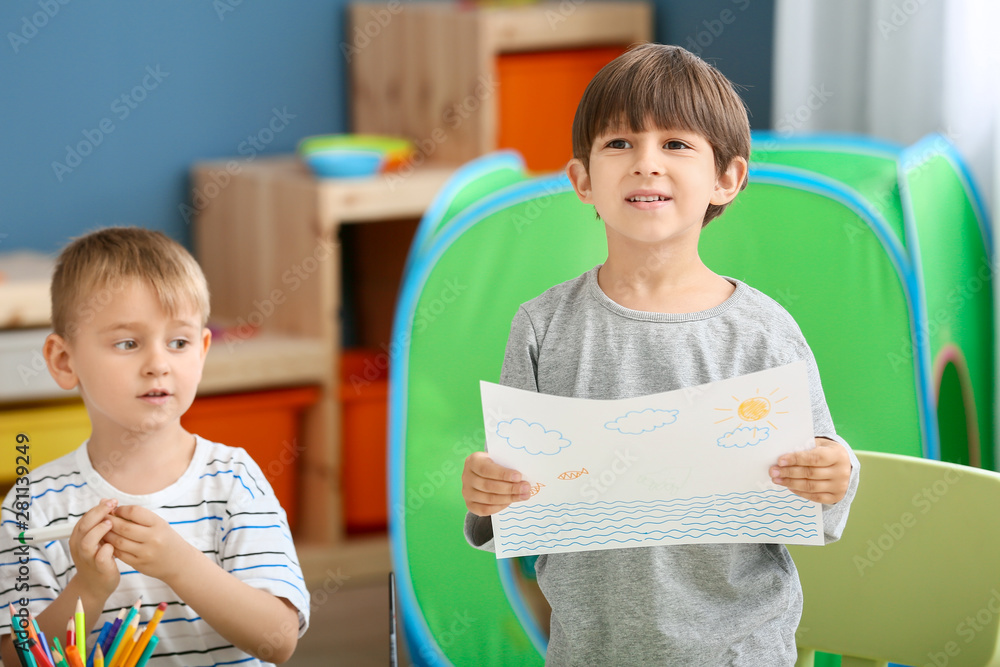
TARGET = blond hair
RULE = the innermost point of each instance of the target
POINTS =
(673, 89)
(92, 268)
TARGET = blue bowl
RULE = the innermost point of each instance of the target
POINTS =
(344, 162)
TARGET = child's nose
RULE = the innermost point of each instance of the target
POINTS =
(156, 363)
(648, 162)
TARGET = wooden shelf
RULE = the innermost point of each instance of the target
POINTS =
(431, 72)
(236, 365)
(24, 289)
(267, 238)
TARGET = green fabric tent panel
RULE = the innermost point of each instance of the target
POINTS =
(472, 182)
(471, 292)
(956, 275)
(817, 259)
(873, 174)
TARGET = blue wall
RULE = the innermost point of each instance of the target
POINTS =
(138, 90)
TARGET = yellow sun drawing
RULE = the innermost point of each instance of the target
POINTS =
(755, 409)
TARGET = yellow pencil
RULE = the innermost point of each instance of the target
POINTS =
(140, 645)
(125, 647)
(98, 656)
(81, 633)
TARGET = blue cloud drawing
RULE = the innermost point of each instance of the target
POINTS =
(637, 422)
(744, 436)
(532, 438)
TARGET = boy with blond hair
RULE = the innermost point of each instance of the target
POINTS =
(661, 143)
(163, 515)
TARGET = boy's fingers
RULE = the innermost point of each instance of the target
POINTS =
(92, 538)
(136, 514)
(482, 498)
(481, 464)
(493, 486)
(126, 529)
(95, 515)
(801, 472)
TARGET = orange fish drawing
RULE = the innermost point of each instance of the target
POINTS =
(535, 488)
(573, 474)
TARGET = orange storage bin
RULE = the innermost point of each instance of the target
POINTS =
(364, 391)
(264, 423)
(539, 91)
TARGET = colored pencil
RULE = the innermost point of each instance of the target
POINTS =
(60, 661)
(98, 656)
(125, 645)
(70, 634)
(39, 654)
(16, 634)
(150, 647)
(140, 645)
(100, 641)
(113, 632)
(59, 648)
(81, 632)
(31, 628)
(109, 655)
(132, 612)
(45, 645)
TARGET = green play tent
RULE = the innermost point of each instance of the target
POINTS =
(881, 254)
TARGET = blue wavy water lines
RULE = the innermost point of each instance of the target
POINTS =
(564, 519)
(589, 507)
(722, 524)
(759, 515)
(647, 535)
(753, 499)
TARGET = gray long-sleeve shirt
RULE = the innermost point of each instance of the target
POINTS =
(704, 604)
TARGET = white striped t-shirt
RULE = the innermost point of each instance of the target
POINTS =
(222, 504)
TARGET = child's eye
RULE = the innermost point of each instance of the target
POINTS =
(618, 143)
(674, 144)
(126, 345)
(179, 343)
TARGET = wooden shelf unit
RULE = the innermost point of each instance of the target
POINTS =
(268, 243)
(430, 72)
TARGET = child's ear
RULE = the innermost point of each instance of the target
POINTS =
(59, 360)
(730, 182)
(580, 179)
(206, 341)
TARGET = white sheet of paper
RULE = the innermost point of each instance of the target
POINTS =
(680, 467)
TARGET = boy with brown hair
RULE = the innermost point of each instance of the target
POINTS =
(661, 143)
(162, 514)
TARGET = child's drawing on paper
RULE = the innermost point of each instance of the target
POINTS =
(533, 438)
(637, 422)
(665, 481)
(752, 410)
(641, 471)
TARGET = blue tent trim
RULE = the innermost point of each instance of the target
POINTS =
(837, 143)
(817, 184)
(535, 633)
(420, 265)
(463, 176)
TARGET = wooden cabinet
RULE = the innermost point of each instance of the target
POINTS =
(269, 246)
(437, 73)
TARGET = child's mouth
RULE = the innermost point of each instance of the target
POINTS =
(648, 198)
(156, 396)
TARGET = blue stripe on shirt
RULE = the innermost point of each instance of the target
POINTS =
(213, 474)
(59, 490)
